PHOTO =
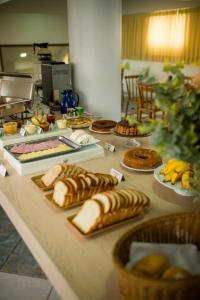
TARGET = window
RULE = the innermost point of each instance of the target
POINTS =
(162, 36)
(166, 31)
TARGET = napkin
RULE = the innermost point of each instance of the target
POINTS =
(186, 256)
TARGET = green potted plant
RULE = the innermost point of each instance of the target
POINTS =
(179, 136)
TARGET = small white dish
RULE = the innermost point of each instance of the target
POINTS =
(61, 123)
(131, 143)
(30, 129)
(82, 138)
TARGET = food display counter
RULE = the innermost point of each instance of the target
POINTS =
(80, 267)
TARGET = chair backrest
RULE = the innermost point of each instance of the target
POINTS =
(187, 79)
(147, 95)
(122, 74)
(132, 86)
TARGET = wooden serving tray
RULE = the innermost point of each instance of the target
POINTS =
(102, 230)
(38, 182)
(49, 197)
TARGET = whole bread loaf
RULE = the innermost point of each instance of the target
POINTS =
(70, 190)
(110, 207)
(59, 171)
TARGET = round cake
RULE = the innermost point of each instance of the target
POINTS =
(141, 158)
(124, 128)
(103, 125)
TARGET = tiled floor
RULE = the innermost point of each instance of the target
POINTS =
(21, 277)
(20, 261)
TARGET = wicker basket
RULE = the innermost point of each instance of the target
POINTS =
(180, 228)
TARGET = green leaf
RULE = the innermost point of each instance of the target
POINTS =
(181, 137)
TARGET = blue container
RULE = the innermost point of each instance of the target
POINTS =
(70, 100)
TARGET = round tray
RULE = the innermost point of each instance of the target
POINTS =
(177, 188)
(80, 125)
(102, 132)
(135, 169)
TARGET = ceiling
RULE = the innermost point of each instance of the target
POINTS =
(60, 6)
(135, 6)
(34, 6)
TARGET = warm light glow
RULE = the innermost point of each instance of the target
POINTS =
(66, 59)
(166, 31)
(24, 54)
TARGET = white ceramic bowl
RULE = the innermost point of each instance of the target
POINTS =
(62, 123)
(30, 129)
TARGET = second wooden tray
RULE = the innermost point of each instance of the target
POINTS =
(50, 198)
(137, 217)
(38, 182)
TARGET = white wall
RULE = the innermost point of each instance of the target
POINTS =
(21, 28)
(94, 41)
(137, 67)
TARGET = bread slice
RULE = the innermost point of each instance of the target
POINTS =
(94, 177)
(127, 197)
(135, 197)
(59, 198)
(105, 200)
(63, 190)
(61, 171)
(52, 174)
(72, 170)
(88, 216)
(60, 186)
(117, 199)
(60, 191)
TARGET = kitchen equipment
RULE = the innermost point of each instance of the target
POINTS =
(16, 93)
(43, 53)
(55, 78)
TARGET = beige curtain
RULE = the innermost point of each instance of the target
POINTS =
(162, 36)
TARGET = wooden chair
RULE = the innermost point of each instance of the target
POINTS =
(146, 103)
(132, 90)
(187, 80)
(122, 85)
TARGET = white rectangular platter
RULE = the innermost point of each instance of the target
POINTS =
(17, 138)
(84, 154)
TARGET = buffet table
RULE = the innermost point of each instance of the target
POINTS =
(78, 267)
